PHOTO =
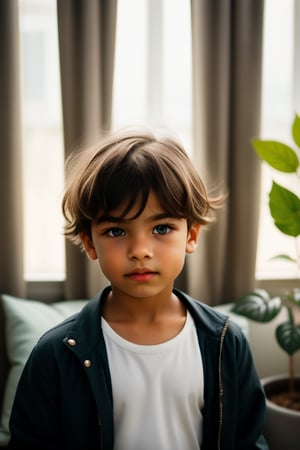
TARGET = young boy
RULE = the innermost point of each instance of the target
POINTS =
(143, 366)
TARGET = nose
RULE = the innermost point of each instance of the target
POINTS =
(140, 248)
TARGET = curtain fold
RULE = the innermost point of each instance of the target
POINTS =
(11, 224)
(227, 65)
(86, 44)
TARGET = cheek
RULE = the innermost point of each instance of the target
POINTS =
(173, 252)
(178, 244)
(109, 258)
(173, 261)
(108, 266)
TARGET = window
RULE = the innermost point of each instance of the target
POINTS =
(152, 84)
(42, 141)
(278, 108)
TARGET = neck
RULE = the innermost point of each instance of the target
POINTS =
(121, 307)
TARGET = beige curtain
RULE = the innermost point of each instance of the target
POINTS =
(86, 44)
(227, 62)
(11, 223)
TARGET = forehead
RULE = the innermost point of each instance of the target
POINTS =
(153, 204)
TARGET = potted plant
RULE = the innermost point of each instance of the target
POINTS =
(282, 392)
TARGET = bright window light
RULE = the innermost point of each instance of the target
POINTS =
(152, 83)
(278, 110)
(42, 141)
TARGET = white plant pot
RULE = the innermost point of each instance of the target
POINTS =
(282, 430)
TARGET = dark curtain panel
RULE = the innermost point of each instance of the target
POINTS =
(227, 64)
(11, 223)
(86, 44)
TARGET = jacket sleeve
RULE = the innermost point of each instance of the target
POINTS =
(34, 418)
(244, 405)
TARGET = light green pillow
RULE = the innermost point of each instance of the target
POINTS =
(25, 322)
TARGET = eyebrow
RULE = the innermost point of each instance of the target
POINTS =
(118, 220)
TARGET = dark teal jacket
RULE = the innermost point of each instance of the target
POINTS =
(64, 397)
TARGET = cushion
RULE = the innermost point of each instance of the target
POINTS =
(25, 321)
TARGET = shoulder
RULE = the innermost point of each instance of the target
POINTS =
(60, 330)
(201, 311)
(50, 346)
(79, 324)
(210, 319)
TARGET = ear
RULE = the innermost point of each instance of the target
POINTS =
(88, 246)
(192, 238)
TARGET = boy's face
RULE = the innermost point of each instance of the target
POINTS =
(143, 256)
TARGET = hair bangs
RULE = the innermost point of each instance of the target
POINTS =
(125, 188)
(171, 192)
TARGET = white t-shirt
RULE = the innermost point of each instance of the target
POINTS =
(157, 391)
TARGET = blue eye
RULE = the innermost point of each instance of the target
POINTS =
(161, 229)
(115, 232)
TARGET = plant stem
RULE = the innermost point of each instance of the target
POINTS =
(297, 246)
(291, 375)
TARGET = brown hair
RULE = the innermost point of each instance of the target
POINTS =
(122, 170)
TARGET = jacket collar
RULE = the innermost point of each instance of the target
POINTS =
(206, 317)
(86, 328)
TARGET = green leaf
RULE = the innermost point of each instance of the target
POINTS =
(285, 210)
(288, 337)
(293, 296)
(278, 155)
(258, 306)
(296, 130)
